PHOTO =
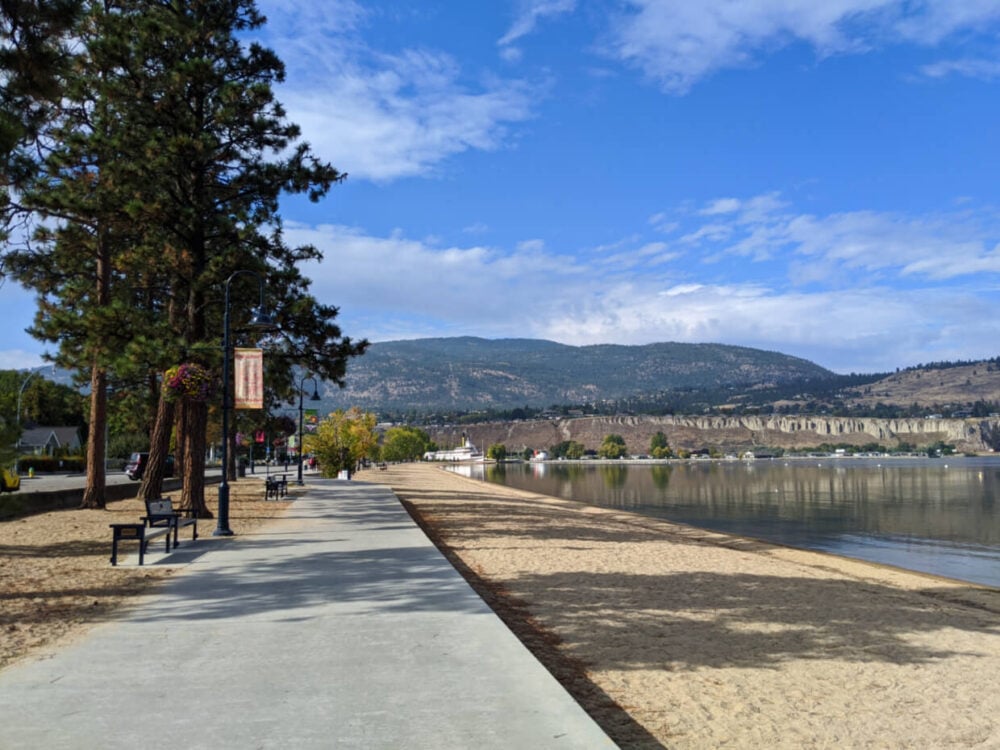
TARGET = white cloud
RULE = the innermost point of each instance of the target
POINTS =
(679, 43)
(405, 118)
(713, 232)
(383, 115)
(530, 13)
(19, 359)
(288, 19)
(936, 247)
(862, 330)
(476, 284)
(835, 298)
(721, 206)
(984, 70)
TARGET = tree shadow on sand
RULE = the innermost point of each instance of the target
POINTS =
(722, 618)
(683, 620)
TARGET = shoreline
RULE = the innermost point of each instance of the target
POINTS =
(705, 639)
(989, 600)
(957, 547)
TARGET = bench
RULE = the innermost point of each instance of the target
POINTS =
(275, 487)
(139, 532)
(161, 514)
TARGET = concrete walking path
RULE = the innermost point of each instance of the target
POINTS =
(338, 625)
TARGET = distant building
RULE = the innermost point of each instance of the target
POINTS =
(47, 441)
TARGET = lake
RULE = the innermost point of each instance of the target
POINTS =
(935, 516)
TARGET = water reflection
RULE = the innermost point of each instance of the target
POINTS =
(936, 516)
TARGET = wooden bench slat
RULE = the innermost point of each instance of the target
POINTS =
(138, 532)
(160, 520)
(161, 513)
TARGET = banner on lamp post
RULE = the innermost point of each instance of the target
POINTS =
(249, 371)
(312, 420)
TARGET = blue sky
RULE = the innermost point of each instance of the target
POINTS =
(816, 178)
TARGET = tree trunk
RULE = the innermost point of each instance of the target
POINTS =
(93, 491)
(180, 430)
(159, 446)
(193, 492)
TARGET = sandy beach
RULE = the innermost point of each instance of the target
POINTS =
(676, 637)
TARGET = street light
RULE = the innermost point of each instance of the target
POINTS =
(260, 321)
(17, 419)
(314, 397)
(20, 393)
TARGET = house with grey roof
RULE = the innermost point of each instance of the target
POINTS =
(48, 441)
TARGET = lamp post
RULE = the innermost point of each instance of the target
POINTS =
(260, 321)
(314, 397)
(17, 419)
(21, 393)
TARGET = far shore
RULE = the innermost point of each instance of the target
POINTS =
(729, 457)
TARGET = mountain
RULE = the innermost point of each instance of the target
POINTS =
(468, 373)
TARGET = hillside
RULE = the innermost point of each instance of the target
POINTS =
(474, 373)
(446, 376)
(932, 386)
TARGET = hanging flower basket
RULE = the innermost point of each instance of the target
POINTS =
(189, 381)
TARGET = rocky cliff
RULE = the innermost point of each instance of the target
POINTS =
(729, 434)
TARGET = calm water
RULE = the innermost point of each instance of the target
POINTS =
(937, 516)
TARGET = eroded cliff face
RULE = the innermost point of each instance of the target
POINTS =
(730, 434)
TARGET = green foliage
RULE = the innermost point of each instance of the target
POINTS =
(51, 464)
(9, 434)
(282, 425)
(162, 177)
(34, 59)
(121, 446)
(497, 452)
(42, 401)
(567, 449)
(940, 448)
(343, 440)
(613, 446)
(404, 444)
(659, 447)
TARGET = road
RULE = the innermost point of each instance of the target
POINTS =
(54, 482)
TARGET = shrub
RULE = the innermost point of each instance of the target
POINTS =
(50, 464)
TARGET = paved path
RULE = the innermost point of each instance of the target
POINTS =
(337, 626)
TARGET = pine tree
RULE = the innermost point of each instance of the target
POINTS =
(75, 258)
(165, 174)
(34, 59)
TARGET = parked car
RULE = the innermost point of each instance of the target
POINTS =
(9, 481)
(136, 466)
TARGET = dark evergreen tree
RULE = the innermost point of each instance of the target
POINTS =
(34, 60)
(165, 173)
